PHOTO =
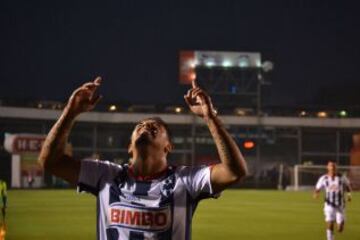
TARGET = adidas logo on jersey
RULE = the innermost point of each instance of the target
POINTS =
(129, 197)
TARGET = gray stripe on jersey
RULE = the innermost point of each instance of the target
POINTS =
(103, 221)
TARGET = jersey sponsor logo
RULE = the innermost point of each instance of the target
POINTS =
(140, 218)
(333, 188)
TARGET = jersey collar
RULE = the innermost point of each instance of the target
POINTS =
(148, 177)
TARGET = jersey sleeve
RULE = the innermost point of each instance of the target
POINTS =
(197, 182)
(94, 173)
(320, 184)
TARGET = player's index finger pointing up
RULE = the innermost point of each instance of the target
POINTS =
(194, 84)
(98, 80)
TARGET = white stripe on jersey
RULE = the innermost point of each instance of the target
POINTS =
(180, 221)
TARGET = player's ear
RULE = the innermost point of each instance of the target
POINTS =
(169, 147)
(130, 148)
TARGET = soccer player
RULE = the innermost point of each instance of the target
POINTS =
(147, 198)
(3, 194)
(335, 186)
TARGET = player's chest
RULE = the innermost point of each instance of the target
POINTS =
(334, 185)
(143, 193)
(145, 206)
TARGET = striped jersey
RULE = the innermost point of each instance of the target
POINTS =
(335, 188)
(160, 207)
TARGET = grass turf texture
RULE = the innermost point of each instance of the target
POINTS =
(237, 214)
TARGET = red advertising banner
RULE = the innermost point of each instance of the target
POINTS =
(187, 67)
(23, 143)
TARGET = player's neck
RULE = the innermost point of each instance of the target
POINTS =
(332, 175)
(148, 165)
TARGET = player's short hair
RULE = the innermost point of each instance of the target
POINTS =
(162, 123)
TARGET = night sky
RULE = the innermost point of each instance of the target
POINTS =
(47, 48)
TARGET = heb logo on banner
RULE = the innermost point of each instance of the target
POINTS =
(28, 144)
(140, 218)
(20, 143)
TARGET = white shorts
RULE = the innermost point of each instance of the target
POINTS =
(334, 214)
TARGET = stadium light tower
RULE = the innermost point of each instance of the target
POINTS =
(266, 67)
(233, 79)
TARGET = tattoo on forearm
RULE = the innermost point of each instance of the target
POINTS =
(55, 142)
(221, 141)
(228, 150)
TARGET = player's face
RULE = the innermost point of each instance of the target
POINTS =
(331, 167)
(150, 133)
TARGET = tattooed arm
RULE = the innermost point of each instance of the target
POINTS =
(52, 156)
(233, 166)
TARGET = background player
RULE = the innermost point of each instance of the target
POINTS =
(335, 186)
(3, 194)
(146, 199)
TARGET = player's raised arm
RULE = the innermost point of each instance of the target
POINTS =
(52, 156)
(233, 166)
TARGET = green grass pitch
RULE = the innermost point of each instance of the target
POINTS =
(237, 214)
